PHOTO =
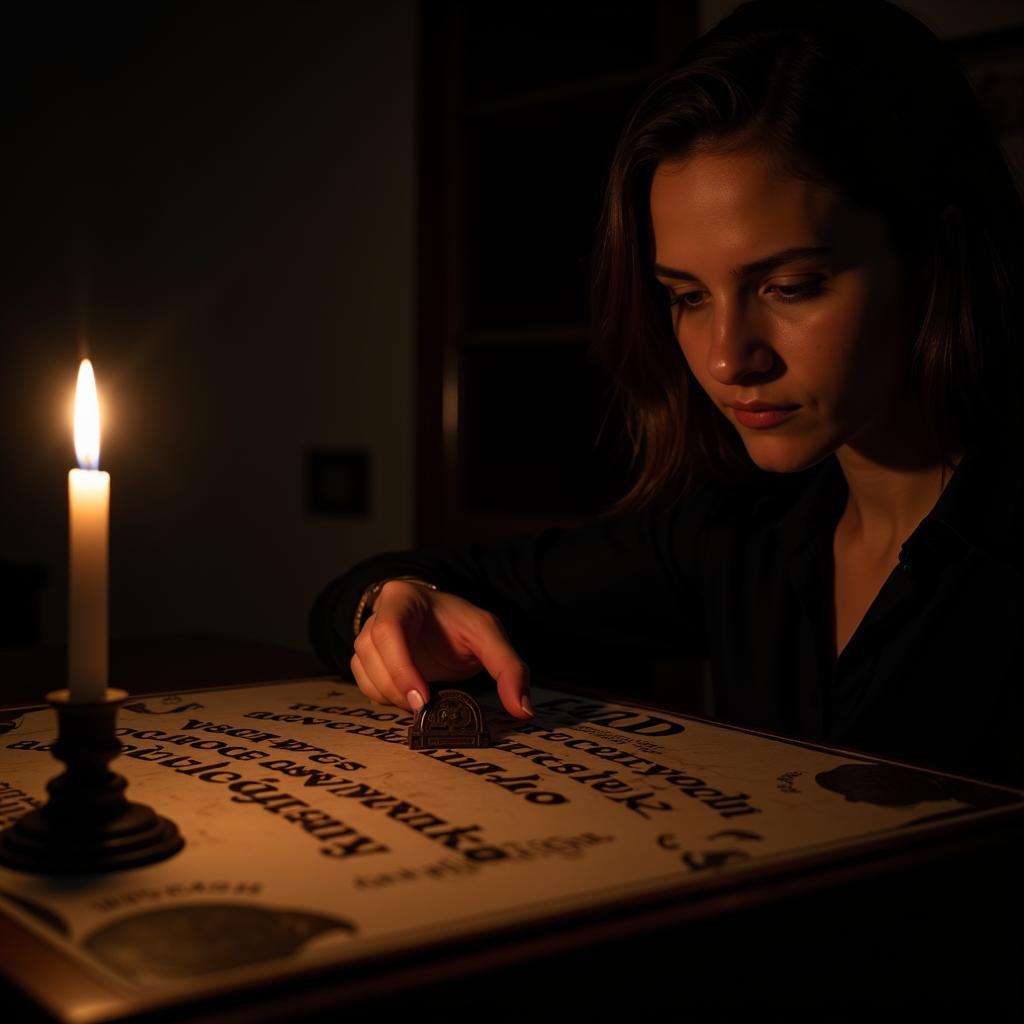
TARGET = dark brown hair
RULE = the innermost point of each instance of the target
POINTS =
(861, 96)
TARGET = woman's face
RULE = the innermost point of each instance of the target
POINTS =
(789, 304)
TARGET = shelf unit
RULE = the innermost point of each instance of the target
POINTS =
(521, 106)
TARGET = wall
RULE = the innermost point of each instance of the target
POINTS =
(218, 207)
(946, 18)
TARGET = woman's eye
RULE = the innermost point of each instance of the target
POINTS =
(797, 292)
(685, 300)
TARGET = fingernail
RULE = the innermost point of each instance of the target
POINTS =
(415, 698)
(525, 704)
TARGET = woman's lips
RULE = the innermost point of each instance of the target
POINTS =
(762, 415)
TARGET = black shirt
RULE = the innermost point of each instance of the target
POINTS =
(742, 574)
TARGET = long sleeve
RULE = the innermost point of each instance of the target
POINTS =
(742, 574)
(567, 598)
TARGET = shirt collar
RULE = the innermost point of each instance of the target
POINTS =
(979, 508)
(981, 502)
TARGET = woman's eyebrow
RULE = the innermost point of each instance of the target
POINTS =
(760, 266)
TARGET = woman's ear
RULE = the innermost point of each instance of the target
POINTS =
(949, 224)
(936, 262)
(949, 233)
(918, 277)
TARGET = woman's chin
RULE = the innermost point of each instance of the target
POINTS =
(780, 454)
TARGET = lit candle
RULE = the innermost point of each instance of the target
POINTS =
(89, 505)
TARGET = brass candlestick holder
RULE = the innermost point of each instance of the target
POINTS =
(87, 825)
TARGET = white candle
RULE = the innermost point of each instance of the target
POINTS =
(89, 507)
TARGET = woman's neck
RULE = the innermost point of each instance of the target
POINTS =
(889, 498)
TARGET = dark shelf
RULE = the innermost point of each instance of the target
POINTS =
(522, 106)
(534, 180)
(536, 45)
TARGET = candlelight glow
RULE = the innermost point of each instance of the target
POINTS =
(87, 418)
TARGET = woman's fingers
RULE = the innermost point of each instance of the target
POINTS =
(514, 689)
(389, 631)
(387, 664)
(393, 683)
(393, 638)
(363, 681)
(507, 669)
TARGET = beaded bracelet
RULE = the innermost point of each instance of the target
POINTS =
(370, 595)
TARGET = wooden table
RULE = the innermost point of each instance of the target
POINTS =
(934, 926)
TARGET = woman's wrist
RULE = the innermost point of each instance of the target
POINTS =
(369, 598)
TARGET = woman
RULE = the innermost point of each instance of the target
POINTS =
(807, 289)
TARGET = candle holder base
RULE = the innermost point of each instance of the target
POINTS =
(88, 825)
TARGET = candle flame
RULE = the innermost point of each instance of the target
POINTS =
(87, 418)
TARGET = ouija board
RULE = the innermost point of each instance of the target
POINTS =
(315, 837)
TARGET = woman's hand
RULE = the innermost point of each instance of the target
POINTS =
(417, 635)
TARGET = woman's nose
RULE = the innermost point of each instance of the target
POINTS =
(738, 351)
